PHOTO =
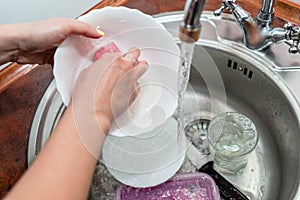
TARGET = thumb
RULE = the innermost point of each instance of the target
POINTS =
(82, 28)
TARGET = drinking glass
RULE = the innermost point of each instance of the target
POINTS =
(232, 137)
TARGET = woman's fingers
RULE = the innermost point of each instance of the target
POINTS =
(80, 28)
(131, 56)
(116, 79)
(135, 93)
(139, 69)
(137, 72)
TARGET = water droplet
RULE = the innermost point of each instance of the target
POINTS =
(241, 118)
(262, 189)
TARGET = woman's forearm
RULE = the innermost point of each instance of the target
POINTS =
(8, 44)
(69, 167)
(65, 166)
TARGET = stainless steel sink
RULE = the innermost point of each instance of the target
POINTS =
(262, 85)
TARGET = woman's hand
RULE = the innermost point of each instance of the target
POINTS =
(30, 42)
(102, 92)
(121, 86)
(106, 89)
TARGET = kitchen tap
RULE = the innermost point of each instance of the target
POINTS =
(258, 34)
(190, 27)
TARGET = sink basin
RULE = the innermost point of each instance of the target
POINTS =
(273, 169)
(261, 85)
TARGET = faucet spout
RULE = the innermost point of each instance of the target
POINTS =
(267, 6)
(190, 27)
(266, 13)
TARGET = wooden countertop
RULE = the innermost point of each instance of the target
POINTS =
(22, 87)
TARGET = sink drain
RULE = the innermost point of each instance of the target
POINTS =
(196, 132)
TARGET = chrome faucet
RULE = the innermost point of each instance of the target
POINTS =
(190, 27)
(258, 34)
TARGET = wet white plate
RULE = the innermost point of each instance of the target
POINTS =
(126, 28)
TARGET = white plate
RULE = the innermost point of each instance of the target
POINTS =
(148, 159)
(127, 28)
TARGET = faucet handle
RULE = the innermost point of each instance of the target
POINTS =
(288, 26)
(226, 4)
(294, 48)
(293, 33)
(219, 11)
(240, 14)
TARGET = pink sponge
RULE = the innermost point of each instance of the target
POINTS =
(108, 48)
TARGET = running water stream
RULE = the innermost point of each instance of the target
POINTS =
(186, 55)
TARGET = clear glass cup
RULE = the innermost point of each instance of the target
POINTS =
(232, 137)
